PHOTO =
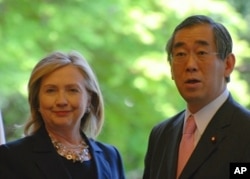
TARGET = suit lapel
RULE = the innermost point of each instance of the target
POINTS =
(205, 148)
(172, 136)
(52, 169)
(43, 150)
(214, 134)
(102, 166)
(175, 147)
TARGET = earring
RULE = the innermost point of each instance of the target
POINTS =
(87, 110)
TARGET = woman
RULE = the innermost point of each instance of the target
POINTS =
(66, 116)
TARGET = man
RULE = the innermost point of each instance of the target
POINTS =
(201, 60)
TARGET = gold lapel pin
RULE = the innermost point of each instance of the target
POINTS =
(213, 139)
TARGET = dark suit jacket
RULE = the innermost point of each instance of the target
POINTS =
(34, 157)
(211, 159)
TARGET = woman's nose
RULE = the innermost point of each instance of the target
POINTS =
(61, 99)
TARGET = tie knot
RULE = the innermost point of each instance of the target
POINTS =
(190, 125)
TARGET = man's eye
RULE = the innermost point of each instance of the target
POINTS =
(202, 53)
(180, 54)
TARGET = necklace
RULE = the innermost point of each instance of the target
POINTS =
(79, 153)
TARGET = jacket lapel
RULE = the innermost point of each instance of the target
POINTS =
(43, 150)
(175, 148)
(102, 166)
(205, 148)
(214, 134)
(170, 151)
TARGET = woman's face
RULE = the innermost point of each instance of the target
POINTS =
(63, 99)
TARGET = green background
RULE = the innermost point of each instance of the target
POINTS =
(124, 42)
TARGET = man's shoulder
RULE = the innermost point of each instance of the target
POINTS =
(169, 122)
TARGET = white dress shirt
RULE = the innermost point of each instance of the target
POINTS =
(204, 116)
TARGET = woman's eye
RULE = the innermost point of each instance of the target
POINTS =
(50, 90)
(73, 90)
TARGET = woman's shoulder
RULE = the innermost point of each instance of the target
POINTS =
(17, 144)
(108, 150)
(102, 145)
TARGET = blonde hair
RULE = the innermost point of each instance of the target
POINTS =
(92, 122)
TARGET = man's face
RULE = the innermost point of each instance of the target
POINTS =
(198, 72)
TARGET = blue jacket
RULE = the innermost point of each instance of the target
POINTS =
(34, 157)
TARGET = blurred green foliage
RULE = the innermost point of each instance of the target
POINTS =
(123, 41)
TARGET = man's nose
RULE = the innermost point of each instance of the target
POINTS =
(191, 64)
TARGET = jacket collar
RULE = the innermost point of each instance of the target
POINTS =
(44, 149)
(102, 166)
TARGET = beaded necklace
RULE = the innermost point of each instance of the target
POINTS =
(79, 153)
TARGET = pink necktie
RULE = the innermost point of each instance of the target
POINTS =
(187, 144)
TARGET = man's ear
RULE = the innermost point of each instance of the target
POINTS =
(229, 65)
(172, 76)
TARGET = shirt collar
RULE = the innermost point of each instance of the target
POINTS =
(204, 116)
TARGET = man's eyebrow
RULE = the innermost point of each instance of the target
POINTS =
(178, 44)
(202, 42)
(198, 42)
